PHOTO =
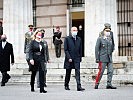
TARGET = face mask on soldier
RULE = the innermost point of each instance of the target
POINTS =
(107, 34)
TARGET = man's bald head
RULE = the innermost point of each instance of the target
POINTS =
(3, 36)
(74, 31)
(74, 28)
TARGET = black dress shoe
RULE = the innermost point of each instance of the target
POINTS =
(80, 89)
(32, 90)
(2, 84)
(110, 87)
(7, 79)
(96, 86)
(43, 91)
(45, 85)
(67, 88)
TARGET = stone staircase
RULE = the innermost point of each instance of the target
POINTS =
(123, 71)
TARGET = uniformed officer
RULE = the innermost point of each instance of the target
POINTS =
(103, 53)
(57, 41)
(28, 38)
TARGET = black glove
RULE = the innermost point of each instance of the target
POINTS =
(97, 61)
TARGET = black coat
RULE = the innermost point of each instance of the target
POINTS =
(72, 51)
(38, 59)
(5, 55)
(57, 38)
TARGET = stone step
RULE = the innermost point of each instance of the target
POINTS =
(123, 71)
(119, 69)
(58, 79)
(58, 64)
(53, 59)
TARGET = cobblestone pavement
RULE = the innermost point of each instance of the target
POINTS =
(57, 92)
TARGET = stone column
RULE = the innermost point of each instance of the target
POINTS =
(17, 15)
(96, 14)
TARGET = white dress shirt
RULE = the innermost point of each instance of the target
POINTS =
(3, 44)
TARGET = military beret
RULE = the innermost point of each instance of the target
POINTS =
(30, 25)
(42, 30)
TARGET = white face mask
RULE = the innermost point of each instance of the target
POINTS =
(74, 33)
(38, 36)
(107, 34)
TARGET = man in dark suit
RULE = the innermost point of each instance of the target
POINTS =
(73, 56)
(6, 50)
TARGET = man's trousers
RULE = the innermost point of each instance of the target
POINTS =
(102, 67)
(77, 76)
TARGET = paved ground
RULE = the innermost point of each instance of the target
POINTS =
(57, 92)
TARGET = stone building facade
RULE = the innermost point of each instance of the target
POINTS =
(87, 15)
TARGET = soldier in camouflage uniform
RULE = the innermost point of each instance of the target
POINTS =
(103, 53)
(28, 38)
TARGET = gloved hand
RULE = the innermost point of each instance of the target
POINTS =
(97, 61)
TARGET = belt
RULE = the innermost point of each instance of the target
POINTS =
(38, 53)
(57, 38)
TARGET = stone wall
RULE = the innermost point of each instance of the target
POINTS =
(49, 13)
(1, 9)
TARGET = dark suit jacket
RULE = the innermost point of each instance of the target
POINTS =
(5, 56)
(38, 59)
(72, 51)
(46, 51)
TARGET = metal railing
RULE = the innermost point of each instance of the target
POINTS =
(76, 3)
(125, 27)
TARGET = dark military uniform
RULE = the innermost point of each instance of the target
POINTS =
(57, 42)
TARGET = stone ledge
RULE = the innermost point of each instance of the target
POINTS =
(60, 65)
(57, 79)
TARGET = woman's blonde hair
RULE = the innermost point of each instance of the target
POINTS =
(35, 33)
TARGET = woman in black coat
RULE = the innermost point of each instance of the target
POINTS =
(36, 56)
